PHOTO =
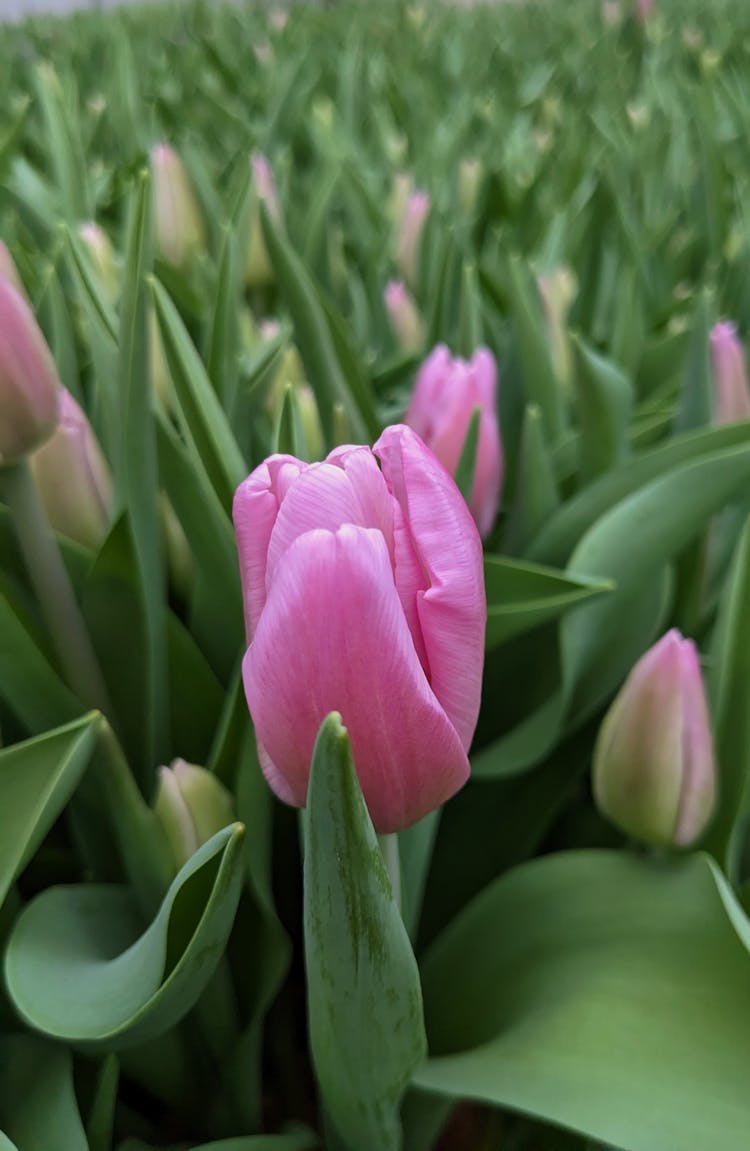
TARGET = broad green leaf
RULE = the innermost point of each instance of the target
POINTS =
(535, 496)
(203, 420)
(139, 475)
(289, 432)
(540, 386)
(557, 539)
(522, 596)
(604, 407)
(101, 1117)
(364, 1000)
(222, 359)
(470, 320)
(314, 338)
(298, 1141)
(696, 399)
(56, 320)
(729, 684)
(38, 1107)
(37, 778)
(28, 683)
(79, 966)
(63, 145)
(5, 1143)
(573, 989)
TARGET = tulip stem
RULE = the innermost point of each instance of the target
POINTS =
(52, 587)
(392, 860)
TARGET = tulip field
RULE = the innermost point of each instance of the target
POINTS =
(375, 577)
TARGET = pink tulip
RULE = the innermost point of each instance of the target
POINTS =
(28, 379)
(72, 477)
(258, 269)
(731, 390)
(446, 393)
(364, 594)
(404, 316)
(654, 770)
(409, 235)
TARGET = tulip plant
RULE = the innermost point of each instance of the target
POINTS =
(375, 578)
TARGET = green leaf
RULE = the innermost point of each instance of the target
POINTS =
(38, 1108)
(729, 686)
(315, 339)
(28, 683)
(222, 360)
(202, 417)
(696, 399)
(139, 475)
(522, 596)
(298, 1141)
(79, 967)
(101, 1118)
(540, 386)
(37, 778)
(364, 1000)
(289, 433)
(467, 464)
(604, 406)
(63, 145)
(535, 498)
(573, 989)
(470, 319)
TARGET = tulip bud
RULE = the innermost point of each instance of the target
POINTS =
(258, 271)
(446, 392)
(28, 379)
(372, 575)
(9, 271)
(192, 805)
(731, 390)
(470, 172)
(72, 477)
(178, 228)
(654, 771)
(409, 235)
(643, 9)
(99, 248)
(404, 316)
(558, 290)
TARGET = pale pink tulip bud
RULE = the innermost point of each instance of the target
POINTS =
(29, 383)
(9, 271)
(192, 806)
(446, 392)
(99, 248)
(731, 390)
(72, 477)
(643, 9)
(372, 576)
(404, 316)
(654, 770)
(178, 227)
(409, 235)
(258, 271)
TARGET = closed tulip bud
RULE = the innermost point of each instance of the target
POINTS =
(178, 228)
(72, 477)
(9, 271)
(409, 235)
(446, 392)
(258, 271)
(470, 172)
(557, 290)
(371, 577)
(99, 248)
(730, 384)
(404, 316)
(192, 805)
(654, 771)
(28, 379)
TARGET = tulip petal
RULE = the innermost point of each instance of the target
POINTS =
(333, 637)
(254, 511)
(453, 609)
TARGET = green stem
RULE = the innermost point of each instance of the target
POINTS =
(389, 848)
(52, 587)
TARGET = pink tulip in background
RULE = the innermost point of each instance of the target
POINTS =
(409, 235)
(730, 383)
(654, 769)
(404, 316)
(446, 392)
(28, 378)
(364, 594)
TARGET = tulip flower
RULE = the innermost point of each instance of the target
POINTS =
(192, 805)
(99, 248)
(446, 392)
(404, 316)
(258, 271)
(72, 477)
(178, 228)
(409, 235)
(654, 771)
(28, 379)
(363, 593)
(730, 383)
